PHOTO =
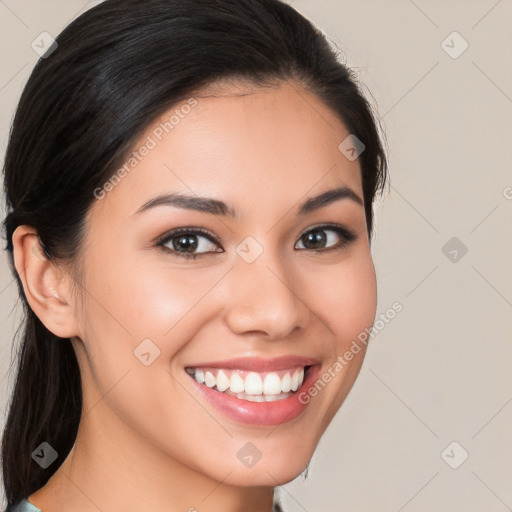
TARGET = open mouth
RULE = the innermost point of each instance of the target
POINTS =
(249, 385)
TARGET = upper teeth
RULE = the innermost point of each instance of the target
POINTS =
(252, 383)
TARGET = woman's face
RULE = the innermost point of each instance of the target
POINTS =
(270, 290)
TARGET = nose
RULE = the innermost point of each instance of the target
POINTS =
(263, 299)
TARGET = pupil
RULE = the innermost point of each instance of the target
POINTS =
(315, 237)
(187, 242)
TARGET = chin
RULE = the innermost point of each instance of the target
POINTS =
(270, 475)
(278, 467)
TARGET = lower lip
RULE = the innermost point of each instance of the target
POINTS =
(261, 413)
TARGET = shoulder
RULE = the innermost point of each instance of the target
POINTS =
(22, 506)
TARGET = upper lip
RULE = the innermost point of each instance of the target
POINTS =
(259, 364)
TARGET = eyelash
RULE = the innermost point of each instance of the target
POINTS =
(346, 236)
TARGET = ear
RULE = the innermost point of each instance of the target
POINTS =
(46, 286)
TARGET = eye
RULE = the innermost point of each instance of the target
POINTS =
(316, 240)
(192, 242)
(184, 242)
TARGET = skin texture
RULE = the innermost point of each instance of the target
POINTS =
(147, 439)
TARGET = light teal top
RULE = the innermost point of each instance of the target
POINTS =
(26, 506)
(23, 506)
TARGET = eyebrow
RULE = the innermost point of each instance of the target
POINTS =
(216, 207)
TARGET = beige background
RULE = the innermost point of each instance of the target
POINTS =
(440, 371)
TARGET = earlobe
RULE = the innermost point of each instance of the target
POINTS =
(45, 285)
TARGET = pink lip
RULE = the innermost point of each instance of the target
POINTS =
(258, 364)
(262, 413)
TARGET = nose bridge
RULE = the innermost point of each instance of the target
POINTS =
(262, 296)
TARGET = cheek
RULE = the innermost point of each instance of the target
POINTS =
(344, 297)
(128, 302)
(131, 300)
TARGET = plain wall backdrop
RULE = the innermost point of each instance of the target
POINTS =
(427, 425)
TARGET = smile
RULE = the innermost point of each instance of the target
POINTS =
(263, 393)
(249, 385)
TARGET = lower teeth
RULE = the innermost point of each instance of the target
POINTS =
(256, 398)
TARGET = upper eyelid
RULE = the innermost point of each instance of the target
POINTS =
(196, 230)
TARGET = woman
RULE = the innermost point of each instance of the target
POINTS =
(190, 187)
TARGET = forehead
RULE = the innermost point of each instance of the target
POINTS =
(274, 144)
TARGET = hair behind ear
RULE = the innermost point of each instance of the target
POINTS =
(47, 372)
